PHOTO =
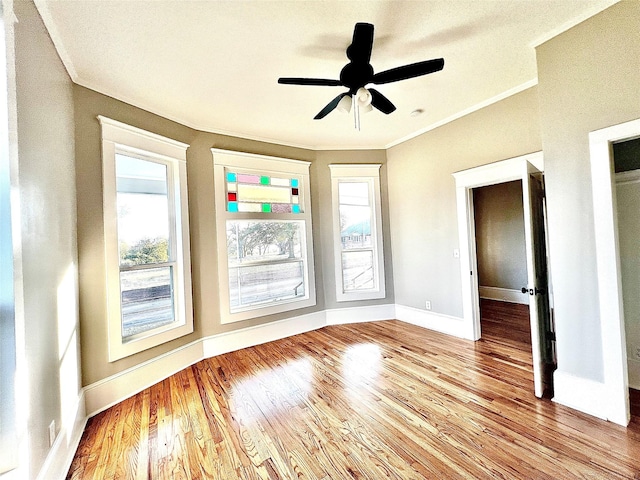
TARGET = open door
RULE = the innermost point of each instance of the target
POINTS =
(542, 331)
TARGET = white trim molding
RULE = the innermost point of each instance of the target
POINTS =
(267, 332)
(504, 295)
(434, 321)
(581, 394)
(59, 459)
(371, 313)
(466, 180)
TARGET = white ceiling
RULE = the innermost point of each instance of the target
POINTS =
(214, 65)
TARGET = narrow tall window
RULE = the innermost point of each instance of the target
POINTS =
(265, 253)
(359, 261)
(146, 239)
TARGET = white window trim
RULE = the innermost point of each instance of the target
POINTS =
(118, 137)
(278, 166)
(358, 173)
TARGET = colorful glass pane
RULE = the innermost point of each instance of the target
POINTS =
(280, 208)
(261, 193)
(243, 178)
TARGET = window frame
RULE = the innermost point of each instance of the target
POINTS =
(119, 138)
(275, 166)
(359, 173)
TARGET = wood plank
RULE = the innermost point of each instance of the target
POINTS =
(373, 400)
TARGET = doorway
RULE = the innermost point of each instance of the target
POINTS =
(615, 394)
(528, 169)
(626, 165)
(501, 263)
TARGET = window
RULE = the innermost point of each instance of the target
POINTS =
(357, 226)
(265, 252)
(146, 239)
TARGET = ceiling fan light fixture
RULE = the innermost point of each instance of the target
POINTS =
(364, 97)
(344, 105)
(365, 108)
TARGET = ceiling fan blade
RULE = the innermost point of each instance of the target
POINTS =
(330, 106)
(381, 102)
(360, 49)
(320, 82)
(408, 71)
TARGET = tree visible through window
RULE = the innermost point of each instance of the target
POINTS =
(264, 261)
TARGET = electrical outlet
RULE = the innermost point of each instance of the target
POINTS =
(456, 253)
(52, 433)
(427, 304)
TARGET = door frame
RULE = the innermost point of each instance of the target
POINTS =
(466, 180)
(605, 217)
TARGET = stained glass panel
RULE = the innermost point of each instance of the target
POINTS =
(262, 193)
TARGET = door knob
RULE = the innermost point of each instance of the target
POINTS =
(536, 291)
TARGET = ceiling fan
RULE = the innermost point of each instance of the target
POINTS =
(358, 73)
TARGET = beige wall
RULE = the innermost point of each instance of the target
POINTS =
(47, 200)
(588, 79)
(422, 199)
(90, 104)
(500, 246)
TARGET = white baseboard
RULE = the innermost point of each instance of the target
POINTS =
(633, 368)
(64, 448)
(107, 392)
(267, 332)
(504, 295)
(433, 321)
(111, 390)
(371, 313)
(580, 393)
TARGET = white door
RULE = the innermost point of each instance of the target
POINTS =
(542, 335)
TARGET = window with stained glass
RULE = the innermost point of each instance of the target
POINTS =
(264, 235)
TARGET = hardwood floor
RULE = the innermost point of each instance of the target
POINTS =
(375, 400)
(506, 322)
